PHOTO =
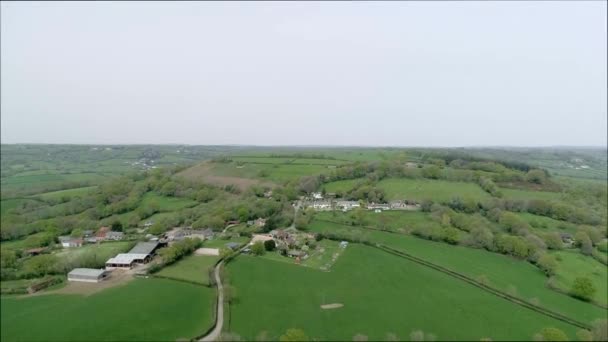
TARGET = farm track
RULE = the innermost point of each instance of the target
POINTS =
(482, 286)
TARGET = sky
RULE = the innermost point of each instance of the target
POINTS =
(508, 73)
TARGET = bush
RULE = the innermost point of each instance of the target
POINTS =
(270, 245)
(583, 288)
(258, 248)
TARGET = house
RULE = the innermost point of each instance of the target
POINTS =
(294, 253)
(148, 224)
(88, 275)
(411, 165)
(397, 205)
(69, 241)
(347, 205)
(377, 210)
(317, 196)
(114, 236)
(91, 239)
(373, 206)
(260, 237)
(101, 233)
(232, 245)
(87, 233)
(321, 205)
(567, 238)
(343, 244)
(260, 222)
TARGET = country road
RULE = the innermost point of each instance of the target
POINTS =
(219, 323)
(214, 334)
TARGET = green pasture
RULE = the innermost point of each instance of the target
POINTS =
(394, 220)
(342, 185)
(381, 294)
(143, 310)
(571, 265)
(518, 194)
(502, 272)
(547, 224)
(66, 193)
(167, 203)
(435, 190)
(193, 268)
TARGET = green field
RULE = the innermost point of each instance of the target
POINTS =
(395, 220)
(503, 272)
(529, 194)
(193, 268)
(435, 190)
(573, 265)
(381, 294)
(102, 251)
(8, 204)
(143, 310)
(167, 203)
(342, 185)
(546, 224)
(65, 193)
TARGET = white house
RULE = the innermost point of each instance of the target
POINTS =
(317, 195)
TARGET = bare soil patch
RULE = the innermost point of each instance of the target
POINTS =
(331, 306)
(204, 173)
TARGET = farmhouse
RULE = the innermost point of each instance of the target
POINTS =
(567, 238)
(114, 236)
(260, 237)
(343, 244)
(317, 195)
(89, 275)
(68, 241)
(321, 205)
(101, 233)
(347, 205)
(374, 206)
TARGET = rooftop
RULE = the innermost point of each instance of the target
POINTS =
(86, 272)
(126, 258)
(144, 248)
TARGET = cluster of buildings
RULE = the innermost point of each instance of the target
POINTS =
(103, 234)
(180, 233)
(343, 205)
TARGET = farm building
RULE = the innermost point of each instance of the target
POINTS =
(127, 260)
(68, 241)
(89, 275)
(140, 254)
(101, 233)
(317, 195)
(347, 205)
(343, 244)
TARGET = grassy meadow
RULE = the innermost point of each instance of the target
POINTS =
(572, 265)
(381, 294)
(143, 310)
(502, 272)
(193, 268)
(435, 190)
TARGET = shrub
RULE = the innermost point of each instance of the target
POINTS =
(582, 288)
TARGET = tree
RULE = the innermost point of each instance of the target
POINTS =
(536, 176)
(584, 335)
(269, 245)
(600, 330)
(547, 264)
(116, 226)
(258, 248)
(554, 241)
(431, 171)
(550, 334)
(583, 288)
(294, 335)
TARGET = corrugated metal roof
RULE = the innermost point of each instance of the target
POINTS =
(86, 272)
(126, 258)
(144, 248)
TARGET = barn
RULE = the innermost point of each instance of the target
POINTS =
(89, 275)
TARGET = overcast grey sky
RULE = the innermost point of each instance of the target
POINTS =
(301, 73)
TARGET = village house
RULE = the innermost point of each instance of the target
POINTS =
(374, 206)
(411, 165)
(321, 205)
(260, 237)
(316, 196)
(232, 245)
(87, 233)
(115, 236)
(347, 205)
(567, 238)
(343, 244)
(101, 233)
(88, 275)
(69, 241)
